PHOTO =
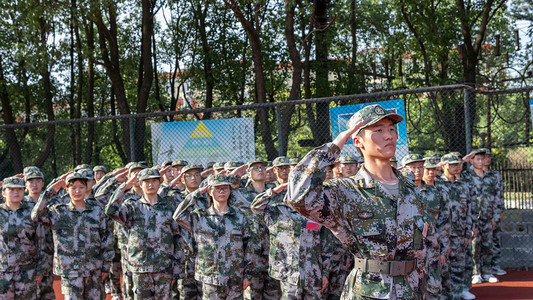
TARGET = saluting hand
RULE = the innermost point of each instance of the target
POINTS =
(58, 185)
(130, 183)
(176, 180)
(279, 188)
(345, 136)
(240, 171)
(207, 172)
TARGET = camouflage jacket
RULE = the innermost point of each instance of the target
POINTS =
(461, 199)
(219, 243)
(300, 250)
(364, 218)
(153, 236)
(82, 239)
(47, 260)
(22, 241)
(493, 185)
(105, 188)
(484, 206)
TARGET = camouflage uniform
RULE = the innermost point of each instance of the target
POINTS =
(22, 250)
(223, 257)
(83, 245)
(495, 190)
(300, 254)
(341, 264)
(461, 199)
(373, 225)
(154, 254)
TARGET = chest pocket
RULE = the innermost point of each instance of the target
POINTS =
(371, 236)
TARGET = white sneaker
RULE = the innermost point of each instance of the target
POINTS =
(498, 271)
(476, 279)
(467, 295)
(490, 278)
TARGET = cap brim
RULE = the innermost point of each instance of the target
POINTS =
(431, 166)
(282, 164)
(221, 183)
(395, 118)
(13, 186)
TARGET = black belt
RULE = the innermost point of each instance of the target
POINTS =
(388, 267)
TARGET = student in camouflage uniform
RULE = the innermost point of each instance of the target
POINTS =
(439, 280)
(348, 165)
(494, 184)
(299, 256)
(22, 244)
(462, 206)
(83, 245)
(155, 257)
(99, 173)
(34, 182)
(376, 214)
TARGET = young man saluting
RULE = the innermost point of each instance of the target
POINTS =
(376, 214)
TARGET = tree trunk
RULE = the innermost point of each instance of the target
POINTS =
(208, 64)
(89, 31)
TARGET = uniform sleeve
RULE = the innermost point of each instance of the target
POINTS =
(182, 213)
(471, 214)
(46, 250)
(179, 253)
(108, 250)
(105, 188)
(327, 250)
(116, 209)
(40, 212)
(443, 223)
(306, 192)
(499, 204)
(261, 202)
(249, 255)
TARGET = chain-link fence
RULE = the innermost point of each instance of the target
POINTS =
(438, 119)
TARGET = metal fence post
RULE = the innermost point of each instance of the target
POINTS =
(468, 123)
(280, 130)
(132, 139)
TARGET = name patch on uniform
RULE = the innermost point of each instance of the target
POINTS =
(312, 226)
(365, 215)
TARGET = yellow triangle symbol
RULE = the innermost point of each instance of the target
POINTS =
(201, 131)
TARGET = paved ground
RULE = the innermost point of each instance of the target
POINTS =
(516, 285)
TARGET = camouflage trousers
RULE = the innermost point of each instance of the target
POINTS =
(337, 277)
(469, 266)
(263, 287)
(230, 291)
(45, 290)
(77, 288)
(496, 246)
(152, 285)
(433, 279)
(446, 281)
(112, 282)
(18, 285)
(483, 249)
(457, 265)
(300, 292)
(189, 288)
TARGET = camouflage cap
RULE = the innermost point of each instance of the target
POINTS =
(219, 179)
(281, 161)
(100, 168)
(87, 174)
(134, 166)
(231, 165)
(486, 150)
(192, 167)
(451, 158)
(411, 158)
(33, 174)
(436, 155)
(73, 176)
(143, 163)
(210, 164)
(347, 159)
(372, 114)
(148, 173)
(166, 163)
(179, 162)
(458, 154)
(481, 151)
(257, 161)
(13, 182)
(294, 161)
(30, 169)
(219, 165)
(431, 163)
(82, 166)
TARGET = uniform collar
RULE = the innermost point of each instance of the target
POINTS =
(211, 211)
(88, 206)
(364, 180)
(160, 200)
(23, 205)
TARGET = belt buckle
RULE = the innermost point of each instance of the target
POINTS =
(397, 268)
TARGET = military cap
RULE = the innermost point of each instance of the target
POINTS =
(486, 150)
(347, 159)
(219, 179)
(29, 169)
(281, 161)
(100, 168)
(73, 176)
(210, 164)
(143, 163)
(294, 161)
(231, 165)
(179, 162)
(458, 154)
(148, 173)
(13, 182)
(451, 158)
(33, 174)
(87, 174)
(192, 167)
(411, 158)
(257, 161)
(372, 114)
(480, 151)
(436, 155)
(393, 159)
(134, 166)
(218, 165)
(430, 163)
(82, 166)
(166, 163)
